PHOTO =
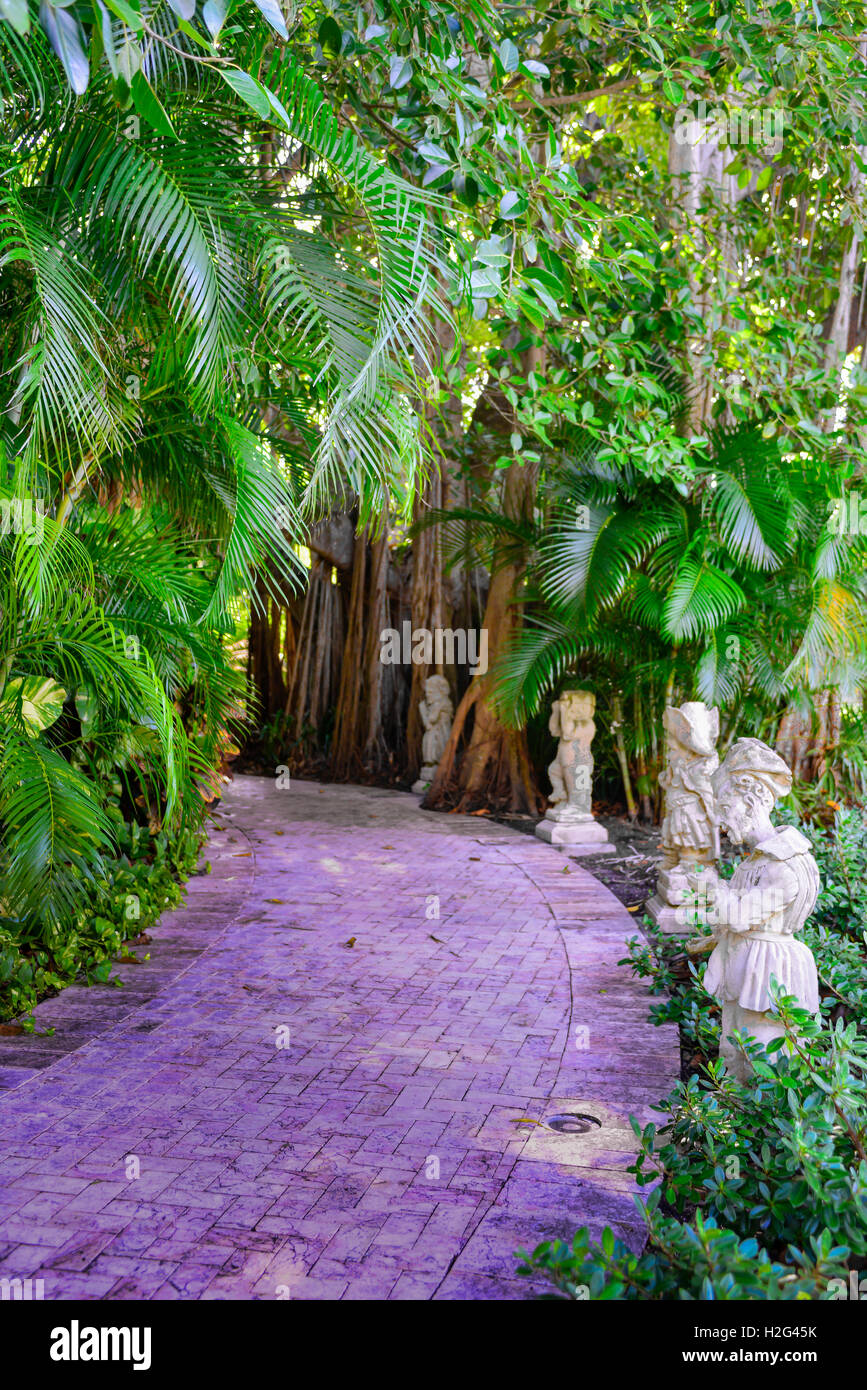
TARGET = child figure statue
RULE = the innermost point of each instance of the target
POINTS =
(437, 713)
(756, 914)
(569, 819)
(690, 835)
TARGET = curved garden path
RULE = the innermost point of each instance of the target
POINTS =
(317, 1088)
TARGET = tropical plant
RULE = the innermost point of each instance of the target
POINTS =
(736, 589)
(216, 307)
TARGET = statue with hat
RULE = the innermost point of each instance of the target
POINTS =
(757, 913)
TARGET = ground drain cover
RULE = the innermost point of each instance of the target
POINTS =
(572, 1123)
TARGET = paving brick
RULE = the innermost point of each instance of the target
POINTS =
(378, 1155)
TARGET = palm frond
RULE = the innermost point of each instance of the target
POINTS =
(702, 597)
(54, 828)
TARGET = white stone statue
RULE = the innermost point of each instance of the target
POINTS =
(437, 713)
(690, 834)
(756, 914)
(569, 819)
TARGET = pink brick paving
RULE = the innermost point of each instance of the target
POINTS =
(385, 1152)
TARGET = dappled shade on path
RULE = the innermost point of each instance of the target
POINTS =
(340, 1094)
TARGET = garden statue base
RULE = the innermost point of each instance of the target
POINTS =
(584, 836)
(425, 777)
(665, 907)
(669, 919)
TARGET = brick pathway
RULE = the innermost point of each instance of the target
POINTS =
(331, 1095)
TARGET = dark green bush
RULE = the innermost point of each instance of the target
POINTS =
(143, 881)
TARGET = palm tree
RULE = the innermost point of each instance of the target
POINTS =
(215, 309)
(737, 589)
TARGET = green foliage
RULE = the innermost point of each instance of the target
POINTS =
(686, 1261)
(692, 573)
(197, 354)
(140, 882)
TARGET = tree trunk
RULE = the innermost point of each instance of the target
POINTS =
(426, 607)
(803, 741)
(643, 778)
(264, 657)
(428, 599)
(620, 746)
(345, 754)
(494, 770)
(375, 751)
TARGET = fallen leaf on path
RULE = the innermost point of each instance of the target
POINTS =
(10, 1030)
(443, 943)
(279, 832)
(526, 1122)
(351, 942)
(483, 812)
(475, 859)
(275, 900)
(246, 855)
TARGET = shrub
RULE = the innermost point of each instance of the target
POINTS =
(142, 881)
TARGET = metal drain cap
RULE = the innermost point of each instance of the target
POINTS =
(573, 1122)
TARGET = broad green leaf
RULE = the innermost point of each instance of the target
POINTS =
(271, 11)
(107, 38)
(39, 701)
(15, 12)
(214, 14)
(87, 707)
(509, 56)
(330, 36)
(512, 204)
(149, 106)
(65, 35)
(184, 9)
(467, 190)
(131, 18)
(399, 73)
(249, 90)
(196, 37)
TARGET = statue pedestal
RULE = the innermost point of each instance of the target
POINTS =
(670, 905)
(669, 919)
(420, 787)
(425, 777)
(583, 836)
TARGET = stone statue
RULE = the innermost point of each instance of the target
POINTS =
(755, 914)
(690, 834)
(437, 713)
(569, 820)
